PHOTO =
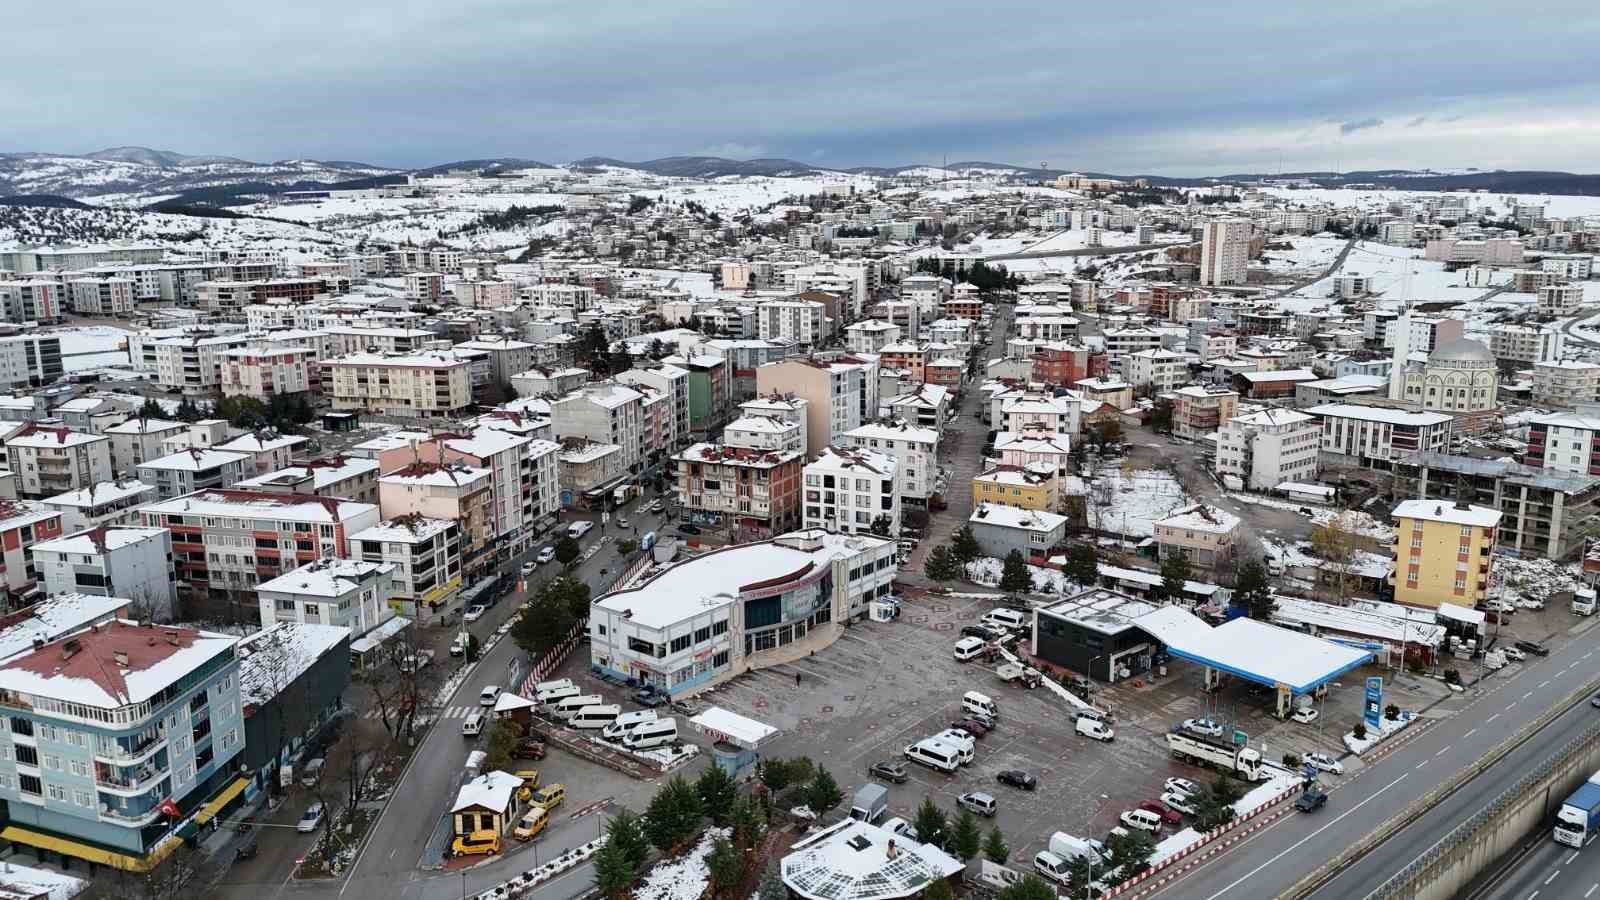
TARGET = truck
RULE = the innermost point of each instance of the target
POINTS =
(872, 801)
(623, 493)
(1579, 816)
(1239, 760)
(1583, 602)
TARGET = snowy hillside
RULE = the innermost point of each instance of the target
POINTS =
(128, 176)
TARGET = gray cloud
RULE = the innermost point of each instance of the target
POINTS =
(1419, 120)
(1360, 125)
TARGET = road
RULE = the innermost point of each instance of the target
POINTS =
(387, 866)
(1570, 326)
(1269, 862)
(1551, 871)
(1332, 267)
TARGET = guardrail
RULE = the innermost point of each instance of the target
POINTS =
(1318, 876)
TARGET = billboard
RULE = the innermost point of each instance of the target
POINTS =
(1374, 710)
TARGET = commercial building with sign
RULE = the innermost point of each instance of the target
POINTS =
(706, 619)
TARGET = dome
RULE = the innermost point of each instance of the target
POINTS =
(1461, 352)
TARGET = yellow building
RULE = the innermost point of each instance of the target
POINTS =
(1032, 487)
(1443, 552)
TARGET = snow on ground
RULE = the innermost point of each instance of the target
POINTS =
(1305, 254)
(1398, 274)
(1353, 519)
(1386, 729)
(1129, 503)
(1558, 205)
(1536, 576)
(684, 878)
(1257, 797)
(986, 570)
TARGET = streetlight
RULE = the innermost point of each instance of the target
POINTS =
(463, 884)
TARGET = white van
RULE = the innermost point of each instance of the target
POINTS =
(489, 695)
(550, 687)
(969, 647)
(557, 694)
(1142, 819)
(596, 716)
(569, 707)
(1009, 619)
(972, 701)
(964, 744)
(627, 722)
(472, 725)
(652, 734)
(934, 755)
(1095, 728)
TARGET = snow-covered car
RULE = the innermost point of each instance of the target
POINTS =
(1204, 726)
(1306, 714)
(474, 613)
(1322, 762)
(1182, 786)
(1530, 602)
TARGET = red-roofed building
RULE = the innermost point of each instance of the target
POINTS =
(22, 524)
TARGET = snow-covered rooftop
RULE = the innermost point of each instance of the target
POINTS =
(99, 493)
(1378, 414)
(138, 425)
(329, 578)
(91, 672)
(404, 530)
(435, 475)
(1013, 517)
(853, 860)
(195, 459)
(249, 504)
(1267, 654)
(1201, 517)
(324, 473)
(491, 791)
(1445, 511)
(95, 541)
(271, 659)
(53, 617)
(256, 442)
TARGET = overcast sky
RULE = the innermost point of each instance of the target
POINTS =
(1156, 87)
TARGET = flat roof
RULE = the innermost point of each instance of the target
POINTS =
(1378, 414)
(1445, 511)
(732, 728)
(326, 577)
(271, 659)
(1014, 517)
(851, 860)
(1270, 655)
(100, 492)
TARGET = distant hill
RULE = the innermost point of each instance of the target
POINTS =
(50, 201)
(498, 164)
(703, 166)
(127, 176)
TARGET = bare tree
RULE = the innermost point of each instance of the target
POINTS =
(1336, 543)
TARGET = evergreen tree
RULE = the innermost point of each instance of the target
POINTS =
(772, 886)
(1174, 572)
(1250, 590)
(613, 872)
(881, 525)
(568, 551)
(749, 826)
(967, 838)
(673, 815)
(543, 623)
(1015, 577)
(823, 793)
(625, 831)
(995, 848)
(775, 774)
(726, 867)
(965, 547)
(501, 752)
(1130, 853)
(1029, 888)
(941, 566)
(717, 791)
(938, 890)
(1083, 563)
(929, 823)
(1161, 417)
(150, 409)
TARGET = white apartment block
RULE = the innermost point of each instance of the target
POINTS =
(1565, 383)
(194, 469)
(134, 563)
(33, 300)
(928, 292)
(137, 440)
(483, 293)
(1040, 414)
(802, 321)
(50, 461)
(263, 373)
(108, 503)
(871, 335)
(1047, 328)
(1122, 341)
(507, 357)
(1565, 442)
(424, 287)
(102, 296)
(423, 385)
(916, 453)
(1375, 436)
(605, 413)
(425, 553)
(194, 363)
(847, 489)
(1575, 266)
(348, 593)
(1155, 370)
(834, 394)
(349, 339)
(30, 360)
(1224, 251)
(674, 383)
(1267, 448)
(1559, 300)
(765, 433)
(1526, 343)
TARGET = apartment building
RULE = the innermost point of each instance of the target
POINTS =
(765, 433)
(832, 393)
(1063, 363)
(33, 300)
(907, 357)
(102, 296)
(1024, 487)
(113, 729)
(1265, 449)
(346, 340)
(507, 357)
(752, 494)
(264, 373)
(51, 461)
(1546, 512)
(1120, 342)
(425, 554)
(1526, 344)
(138, 439)
(848, 489)
(455, 492)
(1224, 251)
(30, 360)
(1204, 534)
(1574, 266)
(194, 363)
(1041, 413)
(589, 472)
(231, 297)
(23, 523)
(710, 392)
(348, 478)
(423, 385)
(226, 541)
(1559, 300)
(916, 453)
(424, 287)
(525, 488)
(345, 593)
(1155, 371)
(1565, 382)
(107, 503)
(1443, 552)
(267, 451)
(1565, 442)
(133, 563)
(1374, 437)
(871, 335)
(804, 322)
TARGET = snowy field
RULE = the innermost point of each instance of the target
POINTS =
(1398, 274)
(1496, 205)
(1130, 503)
(986, 570)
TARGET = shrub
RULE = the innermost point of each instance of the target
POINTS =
(1360, 731)
(1291, 760)
(1391, 712)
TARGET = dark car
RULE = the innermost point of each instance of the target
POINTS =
(1534, 647)
(686, 528)
(1312, 800)
(246, 850)
(1017, 779)
(889, 770)
(971, 726)
(1168, 815)
(980, 631)
(649, 698)
(1595, 700)
(530, 748)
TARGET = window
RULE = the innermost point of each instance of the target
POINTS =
(27, 756)
(51, 761)
(30, 784)
(720, 627)
(83, 798)
(57, 792)
(48, 732)
(78, 767)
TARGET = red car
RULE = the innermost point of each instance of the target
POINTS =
(1168, 815)
(971, 726)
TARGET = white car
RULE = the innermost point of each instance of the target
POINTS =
(1142, 820)
(1513, 653)
(1181, 802)
(545, 555)
(1305, 714)
(1182, 786)
(474, 613)
(311, 820)
(1204, 726)
(622, 522)
(529, 567)
(899, 826)
(579, 529)
(1322, 762)
(489, 695)
(1531, 603)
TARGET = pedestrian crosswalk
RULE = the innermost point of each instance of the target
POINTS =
(449, 712)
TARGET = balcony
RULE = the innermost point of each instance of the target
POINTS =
(126, 751)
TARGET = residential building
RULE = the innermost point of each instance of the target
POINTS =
(121, 725)
(264, 373)
(765, 433)
(267, 451)
(292, 680)
(1278, 384)
(51, 461)
(1053, 414)
(92, 415)
(1526, 344)
(349, 593)
(908, 357)
(102, 296)
(710, 393)
(1560, 300)
(104, 503)
(1204, 534)
(192, 363)
(1373, 436)
(928, 406)
(1002, 529)
(453, 491)
(192, 470)
(1427, 332)
(671, 381)
(1200, 410)
(1036, 447)
(1065, 363)
(802, 321)
(605, 413)
(871, 336)
(1114, 392)
(1443, 552)
(848, 489)
(1019, 486)
(377, 340)
(705, 619)
(133, 563)
(23, 523)
(423, 385)
(226, 541)
(588, 473)
(831, 392)
(525, 488)
(507, 357)
(1565, 442)
(347, 478)
(1546, 513)
(1120, 342)
(1265, 449)
(30, 360)
(554, 382)
(426, 555)
(916, 452)
(1224, 251)
(1565, 382)
(752, 494)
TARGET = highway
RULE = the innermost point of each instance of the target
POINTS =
(1550, 871)
(1268, 863)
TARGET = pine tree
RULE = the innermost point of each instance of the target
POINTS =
(929, 822)
(1174, 573)
(1130, 853)
(1250, 591)
(941, 566)
(1083, 563)
(626, 832)
(613, 872)
(772, 886)
(1029, 888)
(717, 792)
(938, 890)
(1014, 576)
(965, 547)
(726, 867)
(967, 838)
(151, 410)
(748, 823)
(673, 815)
(823, 793)
(995, 848)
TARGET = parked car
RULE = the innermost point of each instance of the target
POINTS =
(1204, 726)
(546, 554)
(1305, 714)
(311, 819)
(478, 843)
(980, 631)
(1183, 786)
(579, 529)
(1017, 779)
(889, 770)
(529, 567)
(1322, 762)
(899, 827)
(982, 718)
(1311, 800)
(979, 802)
(1534, 647)
(1595, 700)
(971, 726)
(1514, 653)
(530, 748)
(1168, 815)
(246, 850)
(688, 528)
(1142, 820)
(550, 796)
(1528, 601)
(474, 613)
(1181, 802)
(650, 698)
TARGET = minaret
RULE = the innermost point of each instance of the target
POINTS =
(1402, 340)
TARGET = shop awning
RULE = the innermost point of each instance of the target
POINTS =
(210, 810)
(76, 849)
